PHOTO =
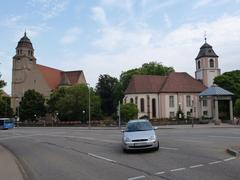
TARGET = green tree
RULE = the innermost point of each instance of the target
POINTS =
(2, 84)
(32, 106)
(54, 98)
(237, 108)
(128, 111)
(152, 68)
(5, 102)
(106, 90)
(5, 107)
(230, 81)
(71, 103)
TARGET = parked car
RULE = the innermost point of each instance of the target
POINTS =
(139, 134)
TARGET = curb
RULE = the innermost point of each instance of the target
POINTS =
(234, 151)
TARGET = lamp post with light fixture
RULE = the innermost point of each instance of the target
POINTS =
(89, 107)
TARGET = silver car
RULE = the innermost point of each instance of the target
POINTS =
(139, 134)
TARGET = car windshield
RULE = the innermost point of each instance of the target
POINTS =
(139, 126)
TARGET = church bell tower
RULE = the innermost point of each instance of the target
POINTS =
(23, 62)
(206, 65)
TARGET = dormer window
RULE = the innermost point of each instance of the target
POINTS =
(211, 63)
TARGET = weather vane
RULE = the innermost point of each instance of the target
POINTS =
(205, 36)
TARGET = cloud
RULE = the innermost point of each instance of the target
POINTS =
(11, 22)
(117, 38)
(99, 15)
(49, 9)
(124, 49)
(203, 3)
(71, 35)
(167, 21)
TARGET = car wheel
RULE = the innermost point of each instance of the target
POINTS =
(125, 150)
(157, 148)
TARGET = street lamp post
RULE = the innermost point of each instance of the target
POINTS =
(89, 107)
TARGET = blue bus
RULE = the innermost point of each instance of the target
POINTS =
(6, 123)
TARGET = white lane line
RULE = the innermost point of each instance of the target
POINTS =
(215, 162)
(159, 173)
(179, 169)
(103, 158)
(229, 159)
(196, 166)
(86, 138)
(228, 137)
(138, 177)
(168, 148)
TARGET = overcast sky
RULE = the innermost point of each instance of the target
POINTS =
(111, 36)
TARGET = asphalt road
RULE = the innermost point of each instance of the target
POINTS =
(82, 154)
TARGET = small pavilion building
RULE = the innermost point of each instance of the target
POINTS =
(220, 101)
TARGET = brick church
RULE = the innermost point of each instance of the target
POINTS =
(27, 74)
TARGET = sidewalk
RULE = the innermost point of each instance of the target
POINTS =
(209, 125)
(9, 169)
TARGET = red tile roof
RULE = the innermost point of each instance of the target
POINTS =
(73, 76)
(145, 84)
(53, 76)
(175, 82)
(182, 82)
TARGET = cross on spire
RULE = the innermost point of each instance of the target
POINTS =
(205, 36)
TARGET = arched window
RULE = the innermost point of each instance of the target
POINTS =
(199, 65)
(131, 100)
(142, 104)
(211, 63)
(153, 108)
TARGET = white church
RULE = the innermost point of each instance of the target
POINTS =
(161, 96)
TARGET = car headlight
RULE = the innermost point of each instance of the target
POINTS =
(126, 139)
(152, 138)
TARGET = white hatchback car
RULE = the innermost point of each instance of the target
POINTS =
(139, 134)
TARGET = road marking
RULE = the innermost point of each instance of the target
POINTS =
(196, 166)
(159, 173)
(231, 137)
(179, 169)
(229, 159)
(103, 158)
(215, 162)
(138, 177)
(169, 148)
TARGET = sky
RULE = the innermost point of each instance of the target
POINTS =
(112, 36)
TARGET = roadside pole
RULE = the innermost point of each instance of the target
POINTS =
(119, 115)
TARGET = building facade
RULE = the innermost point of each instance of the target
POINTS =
(162, 96)
(27, 74)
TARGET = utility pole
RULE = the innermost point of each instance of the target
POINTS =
(119, 115)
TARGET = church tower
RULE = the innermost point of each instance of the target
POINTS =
(23, 62)
(206, 65)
